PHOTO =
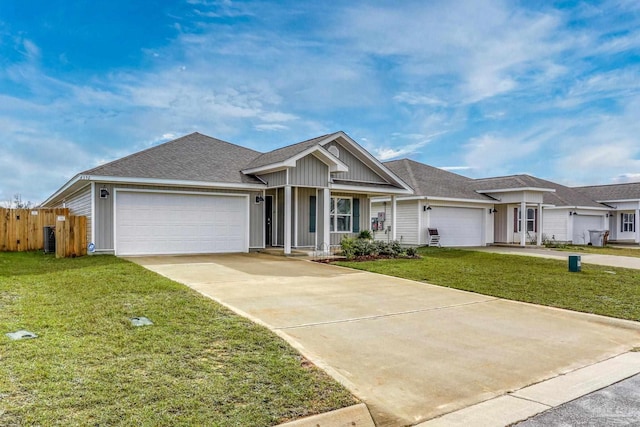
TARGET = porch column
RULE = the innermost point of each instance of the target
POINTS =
(539, 221)
(326, 220)
(393, 217)
(523, 224)
(287, 220)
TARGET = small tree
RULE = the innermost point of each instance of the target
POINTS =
(17, 203)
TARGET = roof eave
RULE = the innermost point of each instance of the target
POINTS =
(385, 170)
(370, 190)
(510, 190)
(145, 181)
(334, 164)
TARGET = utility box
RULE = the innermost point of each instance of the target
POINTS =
(49, 240)
(574, 263)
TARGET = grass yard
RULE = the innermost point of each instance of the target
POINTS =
(199, 364)
(606, 250)
(607, 291)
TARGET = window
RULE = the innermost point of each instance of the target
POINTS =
(628, 222)
(531, 220)
(341, 214)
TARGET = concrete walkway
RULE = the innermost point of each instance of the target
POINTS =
(412, 351)
(606, 260)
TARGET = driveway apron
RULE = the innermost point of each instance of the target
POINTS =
(411, 351)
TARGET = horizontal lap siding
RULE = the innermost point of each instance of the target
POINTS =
(79, 204)
(386, 208)
(407, 224)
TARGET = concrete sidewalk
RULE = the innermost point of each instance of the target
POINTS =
(606, 260)
(411, 351)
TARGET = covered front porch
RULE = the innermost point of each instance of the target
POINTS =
(314, 219)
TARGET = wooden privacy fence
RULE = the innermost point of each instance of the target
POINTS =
(23, 230)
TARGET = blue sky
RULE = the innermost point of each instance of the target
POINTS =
(483, 88)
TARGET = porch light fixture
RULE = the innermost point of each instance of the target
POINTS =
(426, 208)
(104, 193)
(492, 210)
(259, 199)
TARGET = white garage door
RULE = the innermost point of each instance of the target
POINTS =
(168, 223)
(581, 226)
(457, 226)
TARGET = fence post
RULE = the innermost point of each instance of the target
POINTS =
(61, 236)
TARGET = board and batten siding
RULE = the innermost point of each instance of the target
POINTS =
(358, 171)
(555, 224)
(79, 204)
(279, 203)
(275, 179)
(104, 212)
(309, 172)
(306, 238)
(256, 221)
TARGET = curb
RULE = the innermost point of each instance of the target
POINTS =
(351, 416)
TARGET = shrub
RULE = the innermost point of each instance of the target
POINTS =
(365, 234)
(358, 247)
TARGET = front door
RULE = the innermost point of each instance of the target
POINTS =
(268, 220)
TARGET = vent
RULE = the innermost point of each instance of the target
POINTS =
(334, 150)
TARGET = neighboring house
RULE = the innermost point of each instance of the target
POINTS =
(442, 200)
(477, 212)
(198, 194)
(562, 213)
(624, 203)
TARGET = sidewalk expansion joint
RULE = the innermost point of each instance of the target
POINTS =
(381, 316)
(511, 394)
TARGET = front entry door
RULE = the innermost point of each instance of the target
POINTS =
(268, 220)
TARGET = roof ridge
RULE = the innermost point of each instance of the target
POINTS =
(414, 183)
(164, 144)
(607, 185)
(138, 153)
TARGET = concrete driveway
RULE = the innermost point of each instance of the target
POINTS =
(413, 351)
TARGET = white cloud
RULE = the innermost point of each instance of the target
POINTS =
(271, 127)
(417, 99)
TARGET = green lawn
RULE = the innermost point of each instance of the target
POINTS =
(608, 291)
(199, 364)
(607, 250)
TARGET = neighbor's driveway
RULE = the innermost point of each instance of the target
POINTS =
(585, 258)
(410, 351)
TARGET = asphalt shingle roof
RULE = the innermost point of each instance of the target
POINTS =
(563, 196)
(284, 153)
(430, 181)
(194, 157)
(628, 191)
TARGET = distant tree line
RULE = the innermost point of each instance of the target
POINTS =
(17, 203)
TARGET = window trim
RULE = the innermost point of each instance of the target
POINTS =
(333, 216)
(628, 222)
(532, 221)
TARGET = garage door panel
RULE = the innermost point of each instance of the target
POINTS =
(169, 223)
(458, 226)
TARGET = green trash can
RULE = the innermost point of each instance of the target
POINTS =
(574, 263)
